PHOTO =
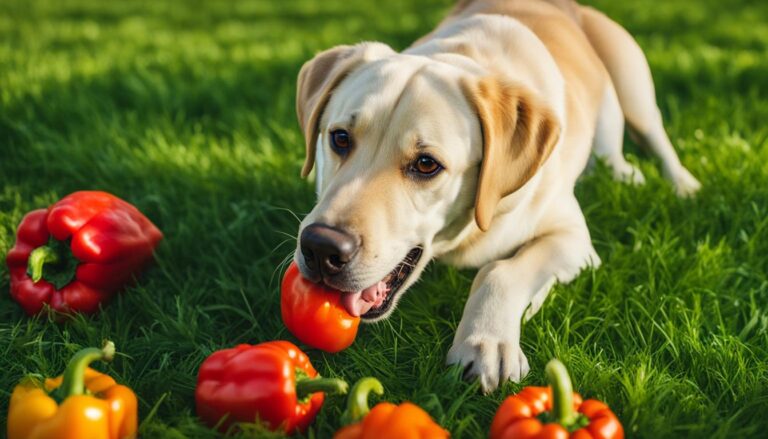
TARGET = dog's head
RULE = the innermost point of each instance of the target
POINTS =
(410, 152)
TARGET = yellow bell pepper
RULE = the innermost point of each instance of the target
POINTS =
(81, 404)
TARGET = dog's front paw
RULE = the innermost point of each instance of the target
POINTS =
(490, 359)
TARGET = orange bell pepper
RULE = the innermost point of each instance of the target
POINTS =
(385, 420)
(81, 404)
(314, 314)
(562, 411)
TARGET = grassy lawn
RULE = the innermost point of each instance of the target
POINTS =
(187, 110)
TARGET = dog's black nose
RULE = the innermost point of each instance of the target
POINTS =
(326, 249)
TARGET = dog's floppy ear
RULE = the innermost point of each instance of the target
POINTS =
(317, 79)
(519, 133)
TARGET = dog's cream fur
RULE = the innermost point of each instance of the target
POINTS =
(511, 96)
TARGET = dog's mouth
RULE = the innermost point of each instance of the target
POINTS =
(377, 299)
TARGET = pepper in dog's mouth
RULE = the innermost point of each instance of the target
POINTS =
(376, 300)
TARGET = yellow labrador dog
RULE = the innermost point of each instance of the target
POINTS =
(466, 147)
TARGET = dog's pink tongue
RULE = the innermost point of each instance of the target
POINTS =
(360, 302)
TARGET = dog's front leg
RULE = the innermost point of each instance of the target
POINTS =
(487, 341)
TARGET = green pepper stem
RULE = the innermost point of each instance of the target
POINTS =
(357, 402)
(53, 262)
(38, 258)
(562, 393)
(308, 386)
(74, 375)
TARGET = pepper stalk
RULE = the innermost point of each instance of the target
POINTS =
(74, 375)
(562, 397)
(53, 262)
(357, 402)
(306, 386)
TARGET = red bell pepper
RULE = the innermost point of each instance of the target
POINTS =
(76, 254)
(314, 314)
(562, 411)
(272, 382)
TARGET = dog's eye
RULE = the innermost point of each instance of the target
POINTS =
(426, 166)
(340, 142)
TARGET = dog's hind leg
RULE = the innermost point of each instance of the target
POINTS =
(631, 77)
(609, 139)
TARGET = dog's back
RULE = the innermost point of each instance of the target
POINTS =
(569, 7)
(557, 24)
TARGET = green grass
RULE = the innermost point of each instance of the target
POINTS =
(186, 110)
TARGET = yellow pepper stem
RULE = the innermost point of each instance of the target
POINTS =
(357, 404)
(74, 375)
